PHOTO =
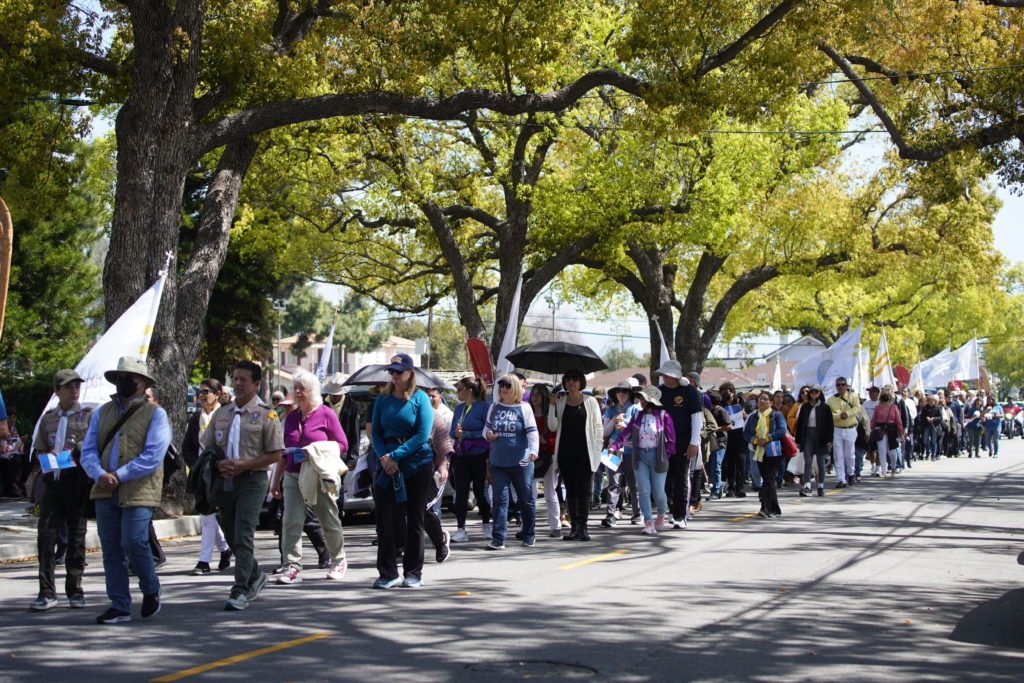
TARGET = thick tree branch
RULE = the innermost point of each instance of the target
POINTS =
(757, 31)
(988, 136)
(276, 114)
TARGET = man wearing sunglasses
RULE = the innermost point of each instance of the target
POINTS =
(846, 412)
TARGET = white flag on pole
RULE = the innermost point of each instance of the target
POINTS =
(128, 336)
(950, 366)
(665, 357)
(325, 355)
(777, 376)
(922, 374)
(508, 342)
(882, 373)
(838, 360)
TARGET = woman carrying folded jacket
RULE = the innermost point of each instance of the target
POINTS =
(402, 419)
(764, 431)
(653, 437)
(469, 466)
(312, 422)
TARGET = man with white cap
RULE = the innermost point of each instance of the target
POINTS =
(683, 403)
(65, 492)
(123, 453)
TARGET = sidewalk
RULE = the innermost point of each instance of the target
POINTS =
(18, 531)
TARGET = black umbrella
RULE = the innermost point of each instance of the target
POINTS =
(556, 357)
(377, 373)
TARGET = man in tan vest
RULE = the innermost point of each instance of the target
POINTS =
(66, 492)
(124, 453)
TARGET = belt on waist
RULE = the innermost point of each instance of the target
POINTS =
(395, 440)
(846, 426)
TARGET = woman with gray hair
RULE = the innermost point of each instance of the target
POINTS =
(312, 422)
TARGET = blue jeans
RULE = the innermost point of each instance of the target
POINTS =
(992, 431)
(124, 535)
(649, 482)
(931, 441)
(715, 470)
(755, 472)
(502, 478)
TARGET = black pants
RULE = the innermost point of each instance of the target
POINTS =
(677, 485)
(470, 470)
(734, 467)
(64, 502)
(769, 494)
(414, 509)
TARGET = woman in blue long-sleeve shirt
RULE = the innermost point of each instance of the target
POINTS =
(402, 418)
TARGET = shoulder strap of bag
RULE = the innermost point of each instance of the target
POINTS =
(120, 423)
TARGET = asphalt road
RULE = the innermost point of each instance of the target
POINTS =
(915, 579)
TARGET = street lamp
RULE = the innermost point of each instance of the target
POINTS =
(280, 305)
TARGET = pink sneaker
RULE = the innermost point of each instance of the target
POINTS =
(337, 570)
(290, 575)
(659, 523)
(649, 529)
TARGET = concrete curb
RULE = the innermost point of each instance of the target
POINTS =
(19, 542)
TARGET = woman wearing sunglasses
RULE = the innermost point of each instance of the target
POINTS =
(512, 431)
(209, 393)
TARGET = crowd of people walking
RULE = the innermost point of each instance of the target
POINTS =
(652, 455)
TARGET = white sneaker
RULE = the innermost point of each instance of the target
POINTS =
(678, 523)
(460, 536)
(487, 531)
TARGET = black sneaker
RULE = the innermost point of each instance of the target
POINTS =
(113, 616)
(442, 551)
(225, 560)
(201, 568)
(150, 605)
(804, 493)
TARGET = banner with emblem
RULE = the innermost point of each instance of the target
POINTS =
(824, 367)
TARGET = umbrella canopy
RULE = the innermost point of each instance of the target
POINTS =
(556, 357)
(377, 373)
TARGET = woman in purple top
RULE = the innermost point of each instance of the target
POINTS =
(310, 423)
(512, 430)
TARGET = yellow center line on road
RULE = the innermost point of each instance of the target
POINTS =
(593, 559)
(239, 658)
(743, 517)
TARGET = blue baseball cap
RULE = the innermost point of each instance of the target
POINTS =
(401, 362)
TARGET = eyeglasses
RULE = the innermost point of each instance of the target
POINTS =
(815, 391)
(203, 392)
(504, 385)
(392, 371)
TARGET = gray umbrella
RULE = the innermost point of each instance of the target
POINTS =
(377, 373)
